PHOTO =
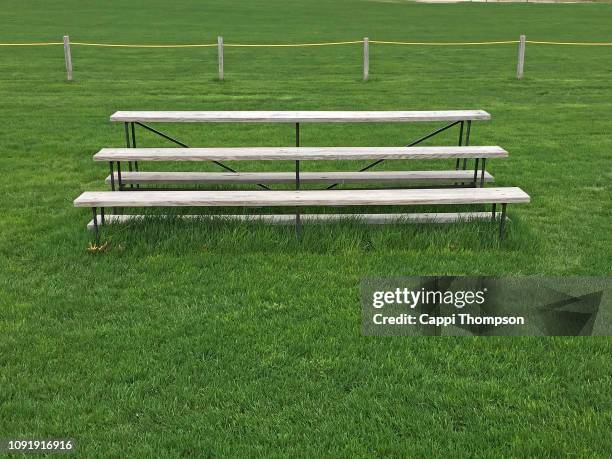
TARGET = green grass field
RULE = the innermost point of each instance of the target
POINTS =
(236, 340)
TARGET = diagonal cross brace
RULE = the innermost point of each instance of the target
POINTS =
(178, 142)
(412, 144)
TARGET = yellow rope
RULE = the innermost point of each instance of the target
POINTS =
(31, 44)
(299, 45)
(566, 43)
(237, 45)
(293, 45)
(443, 44)
(106, 45)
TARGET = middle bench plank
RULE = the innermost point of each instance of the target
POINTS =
(224, 178)
(296, 153)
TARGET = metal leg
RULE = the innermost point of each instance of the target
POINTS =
(476, 172)
(482, 172)
(128, 144)
(467, 141)
(298, 222)
(133, 135)
(502, 222)
(493, 212)
(112, 172)
(119, 175)
(95, 222)
(134, 146)
(297, 163)
(460, 143)
(112, 176)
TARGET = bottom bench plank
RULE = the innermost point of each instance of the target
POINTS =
(224, 178)
(301, 198)
(448, 217)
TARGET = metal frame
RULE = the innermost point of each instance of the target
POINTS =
(132, 144)
(130, 140)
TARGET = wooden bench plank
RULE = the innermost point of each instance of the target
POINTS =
(287, 219)
(298, 116)
(178, 178)
(296, 153)
(301, 197)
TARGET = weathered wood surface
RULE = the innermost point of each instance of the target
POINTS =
(366, 58)
(68, 57)
(286, 219)
(520, 67)
(299, 198)
(219, 178)
(297, 116)
(296, 153)
(220, 58)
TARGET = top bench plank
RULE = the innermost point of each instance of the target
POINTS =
(296, 153)
(301, 197)
(298, 116)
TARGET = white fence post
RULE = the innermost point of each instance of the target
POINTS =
(220, 55)
(366, 58)
(68, 57)
(521, 58)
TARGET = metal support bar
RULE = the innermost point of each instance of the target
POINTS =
(128, 144)
(493, 212)
(95, 222)
(460, 143)
(119, 175)
(297, 162)
(178, 142)
(502, 222)
(412, 144)
(476, 172)
(467, 140)
(133, 135)
(433, 133)
(416, 142)
(134, 146)
(112, 175)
